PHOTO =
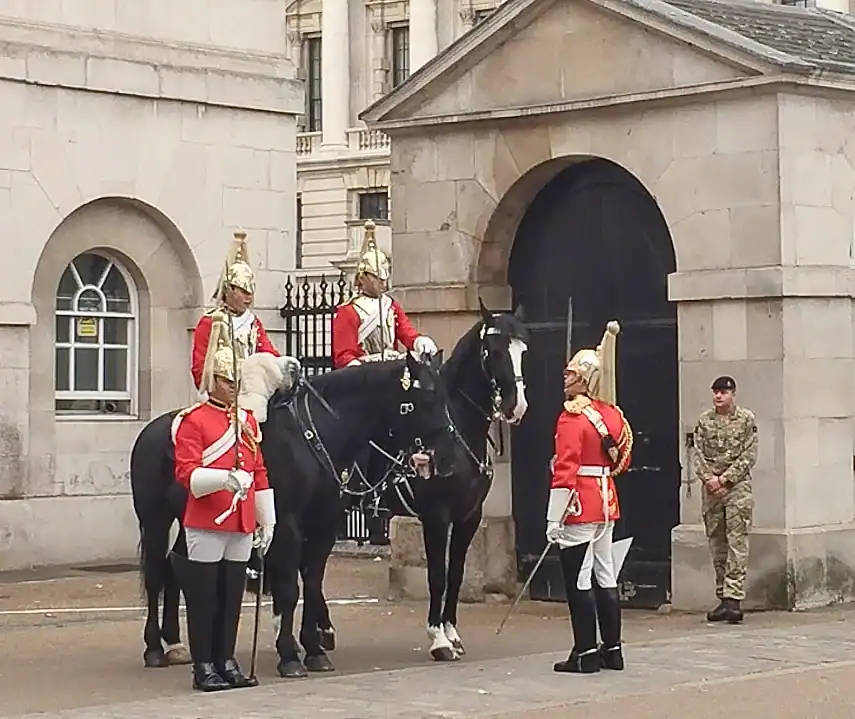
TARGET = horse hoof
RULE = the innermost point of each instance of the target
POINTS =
(293, 669)
(458, 648)
(319, 663)
(444, 654)
(155, 659)
(327, 639)
(178, 656)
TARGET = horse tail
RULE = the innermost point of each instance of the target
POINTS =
(154, 563)
(151, 479)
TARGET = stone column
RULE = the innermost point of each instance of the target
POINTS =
(295, 48)
(423, 38)
(379, 61)
(792, 361)
(467, 17)
(335, 69)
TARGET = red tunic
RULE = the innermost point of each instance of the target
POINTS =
(195, 432)
(578, 444)
(345, 333)
(202, 334)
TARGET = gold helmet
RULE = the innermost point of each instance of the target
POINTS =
(220, 357)
(237, 271)
(371, 258)
(598, 368)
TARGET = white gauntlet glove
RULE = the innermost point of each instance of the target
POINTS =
(265, 517)
(239, 481)
(424, 345)
(559, 500)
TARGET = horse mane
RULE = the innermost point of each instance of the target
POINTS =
(347, 379)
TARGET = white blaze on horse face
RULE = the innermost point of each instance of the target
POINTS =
(517, 348)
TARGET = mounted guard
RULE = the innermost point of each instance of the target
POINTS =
(593, 444)
(234, 296)
(218, 459)
(369, 326)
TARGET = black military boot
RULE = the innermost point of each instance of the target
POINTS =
(198, 581)
(728, 611)
(585, 657)
(231, 590)
(609, 619)
(732, 612)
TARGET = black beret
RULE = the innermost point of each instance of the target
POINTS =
(724, 383)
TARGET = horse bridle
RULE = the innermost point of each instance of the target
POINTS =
(312, 436)
(496, 414)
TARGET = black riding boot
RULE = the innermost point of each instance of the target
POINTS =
(585, 656)
(198, 581)
(609, 619)
(232, 584)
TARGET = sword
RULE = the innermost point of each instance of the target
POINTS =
(238, 496)
(253, 661)
(524, 588)
(369, 230)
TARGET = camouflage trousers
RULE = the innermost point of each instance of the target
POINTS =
(727, 521)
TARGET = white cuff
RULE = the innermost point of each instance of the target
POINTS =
(557, 507)
(353, 363)
(205, 481)
(265, 508)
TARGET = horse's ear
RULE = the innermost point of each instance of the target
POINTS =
(412, 363)
(486, 315)
(436, 361)
(519, 313)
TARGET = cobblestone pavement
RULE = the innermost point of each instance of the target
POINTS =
(660, 673)
(90, 657)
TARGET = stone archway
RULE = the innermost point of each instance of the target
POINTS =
(592, 245)
(169, 288)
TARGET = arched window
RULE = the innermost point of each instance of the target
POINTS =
(96, 333)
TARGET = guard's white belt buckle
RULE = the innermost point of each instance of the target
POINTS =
(591, 471)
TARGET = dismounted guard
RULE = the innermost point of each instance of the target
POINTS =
(593, 444)
(229, 497)
(234, 295)
(725, 451)
(369, 326)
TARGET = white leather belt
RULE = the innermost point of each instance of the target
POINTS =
(591, 471)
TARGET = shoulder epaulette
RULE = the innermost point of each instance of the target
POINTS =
(577, 404)
(176, 421)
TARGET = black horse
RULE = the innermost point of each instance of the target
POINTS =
(311, 436)
(484, 381)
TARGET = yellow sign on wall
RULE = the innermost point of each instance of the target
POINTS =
(87, 327)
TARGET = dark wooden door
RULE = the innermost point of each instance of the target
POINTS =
(595, 241)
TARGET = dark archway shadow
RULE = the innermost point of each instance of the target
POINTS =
(593, 246)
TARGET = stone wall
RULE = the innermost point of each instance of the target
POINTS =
(757, 192)
(152, 154)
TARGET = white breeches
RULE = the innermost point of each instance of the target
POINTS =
(599, 558)
(208, 546)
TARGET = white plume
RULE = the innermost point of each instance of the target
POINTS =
(262, 374)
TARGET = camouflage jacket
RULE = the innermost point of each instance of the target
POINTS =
(725, 446)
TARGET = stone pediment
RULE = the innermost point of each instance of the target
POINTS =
(539, 53)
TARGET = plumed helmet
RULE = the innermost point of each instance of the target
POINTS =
(598, 368)
(371, 258)
(237, 270)
(219, 357)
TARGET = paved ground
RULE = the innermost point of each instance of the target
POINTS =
(87, 658)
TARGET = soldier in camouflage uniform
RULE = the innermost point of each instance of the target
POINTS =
(725, 441)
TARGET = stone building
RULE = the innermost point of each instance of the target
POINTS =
(134, 138)
(342, 166)
(685, 167)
